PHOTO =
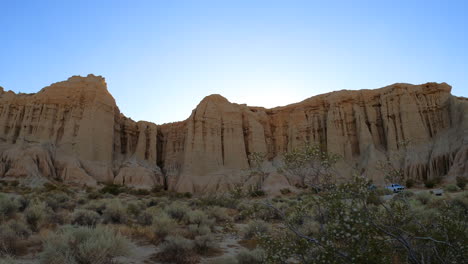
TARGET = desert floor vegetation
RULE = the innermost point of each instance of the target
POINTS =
(345, 223)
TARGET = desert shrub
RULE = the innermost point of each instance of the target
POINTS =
(423, 197)
(56, 200)
(224, 260)
(22, 202)
(35, 214)
(8, 207)
(97, 205)
(199, 218)
(220, 214)
(254, 228)
(429, 184)
(256, 191)
(93, 195)
(115, 213)
(134, 208)
(163, 225)
(177, 211)
(9, 260)
(221, 200)
(256, 256)
(11, 235)
(309, 227)
(83, 245)
(195, 230)
(57, 218)
(145, 218)
(257, 211)
(177, 249)
(461, 182)
(113, 189)
(140, 192)
(157, 189)
(451, 188)
(152, 202)
(374, 199)
(409, 183)
(204, 243)
(405, 194)
(85, 217)
(383, 191)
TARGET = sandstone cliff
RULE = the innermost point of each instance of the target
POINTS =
(73, 132)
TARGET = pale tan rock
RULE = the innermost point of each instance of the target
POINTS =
(73, 131)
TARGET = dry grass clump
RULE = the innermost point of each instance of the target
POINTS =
(179, 250)
(451, 188)
(145, 218)
(199, 218)
(12, 235)
(177, 211)
(115, 213)
(8, 207)
(85, 217)
(423, 197)
(163, 225)
(256, 227)
(9, 260)
(35, 215)
(256, 256)
(84, 245)
(58, 200)
(220, 214)
(204, 243)
(224, 260)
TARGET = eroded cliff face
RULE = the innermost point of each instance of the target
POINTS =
(72, 131)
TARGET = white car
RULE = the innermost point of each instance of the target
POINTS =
(395, 187)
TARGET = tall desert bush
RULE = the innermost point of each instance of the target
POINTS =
(83, 245)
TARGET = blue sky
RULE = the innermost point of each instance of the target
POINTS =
(160, 58)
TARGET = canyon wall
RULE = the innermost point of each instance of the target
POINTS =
(73, 132)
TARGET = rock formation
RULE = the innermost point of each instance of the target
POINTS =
(72, 131)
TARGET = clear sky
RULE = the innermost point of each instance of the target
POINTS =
(160, 58)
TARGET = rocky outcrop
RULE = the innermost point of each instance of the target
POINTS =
(73, 131)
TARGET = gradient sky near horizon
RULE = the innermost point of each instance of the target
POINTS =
(160, 58)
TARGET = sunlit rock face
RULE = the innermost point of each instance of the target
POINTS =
(73, 132)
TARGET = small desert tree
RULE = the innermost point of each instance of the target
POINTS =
(312, 166)
(354, 226)
(394, 173)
